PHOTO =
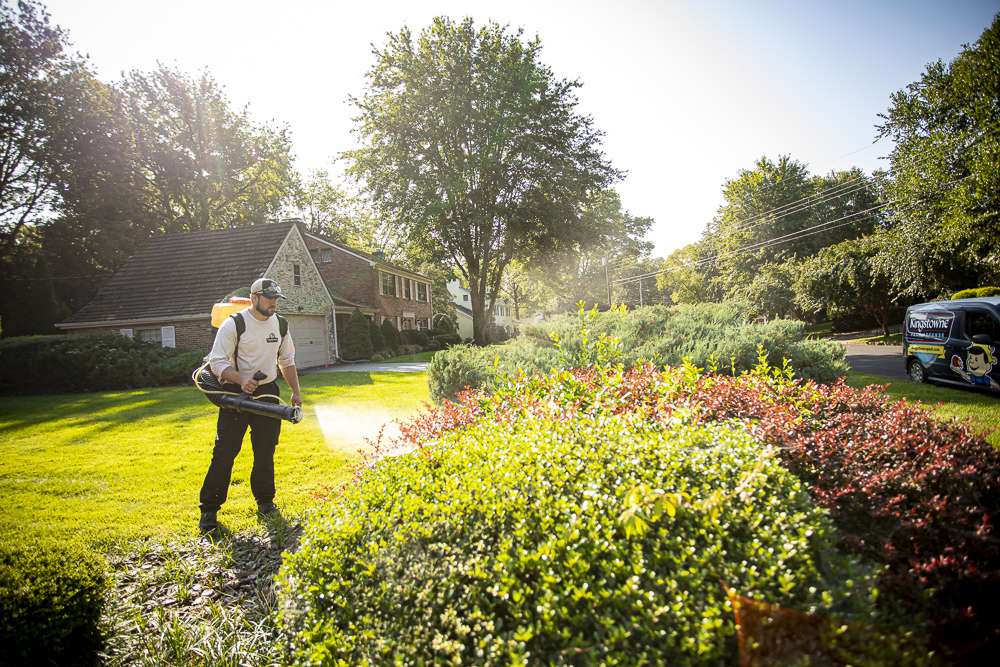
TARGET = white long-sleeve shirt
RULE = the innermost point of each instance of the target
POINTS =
(260, 345)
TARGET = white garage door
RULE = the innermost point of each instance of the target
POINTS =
(310, 338)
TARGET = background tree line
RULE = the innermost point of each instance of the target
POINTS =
(854, 247)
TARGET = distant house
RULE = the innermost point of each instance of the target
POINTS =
(502, 313)
(164, 293)
(381, 290)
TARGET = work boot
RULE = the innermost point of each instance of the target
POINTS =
(209, 521)
(266, 509)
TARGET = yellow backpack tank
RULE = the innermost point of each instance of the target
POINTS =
(220, 311)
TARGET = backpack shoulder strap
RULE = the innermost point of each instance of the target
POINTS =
(241, 326)
(282, 325)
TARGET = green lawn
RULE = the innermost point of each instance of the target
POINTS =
(981, 409)
(111, 467)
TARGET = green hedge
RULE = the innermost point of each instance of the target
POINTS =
(355, 340)
(89, 362)
(708, 335)
(518, 543)
(976, 293)
(51, 597)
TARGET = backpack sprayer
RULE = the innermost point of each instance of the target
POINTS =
(208, 384)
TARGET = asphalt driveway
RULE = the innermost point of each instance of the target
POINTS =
(883, 360)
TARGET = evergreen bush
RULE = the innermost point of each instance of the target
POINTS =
(356, 342)
(390, 335)
(51, 597)
(707, 335)
(375, 333)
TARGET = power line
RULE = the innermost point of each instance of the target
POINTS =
(802, 233)
(760, 244)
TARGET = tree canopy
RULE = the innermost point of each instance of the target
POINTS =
(944, 180)
(472, 145)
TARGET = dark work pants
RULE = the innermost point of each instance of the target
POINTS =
(231, 428)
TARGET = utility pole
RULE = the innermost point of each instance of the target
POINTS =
(607, 281)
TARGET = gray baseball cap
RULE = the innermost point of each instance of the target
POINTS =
(267, 288)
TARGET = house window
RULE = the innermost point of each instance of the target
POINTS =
(407, 323)
(422, 325)
(465, 297)
(296, 275)
(407, 292)
(325, 255)
(388, 284)
(149, 335)
(421, 292)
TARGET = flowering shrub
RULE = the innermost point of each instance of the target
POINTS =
(904, 488)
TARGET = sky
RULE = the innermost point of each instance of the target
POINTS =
(687, 93)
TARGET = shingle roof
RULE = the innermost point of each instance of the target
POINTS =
(184, 274)
(367, 255)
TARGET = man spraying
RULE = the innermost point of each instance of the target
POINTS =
(254, 342)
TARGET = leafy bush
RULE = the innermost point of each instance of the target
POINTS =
(414, 337)
(404, 350)
(448, 339)
(457, 368)
(443, 325)
(390, 335)
(51, 596)
(976, 293)
(89, 362)
(375, 334)
(708, 335)
(521, 541)
(496, 333)
(906, 490)
(356, 343)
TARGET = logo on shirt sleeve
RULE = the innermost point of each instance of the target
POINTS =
(271, 338)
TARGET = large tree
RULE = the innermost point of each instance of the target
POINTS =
(944, 181)
(205, 164)
(842, 280)
(613, 245)
(34, 61)
(472, 145)
(776, 212)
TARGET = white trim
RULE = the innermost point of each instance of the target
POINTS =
(138, 320)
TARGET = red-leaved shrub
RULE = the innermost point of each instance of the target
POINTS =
(905, 489)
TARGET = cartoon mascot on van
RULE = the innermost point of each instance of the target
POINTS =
(979, 361)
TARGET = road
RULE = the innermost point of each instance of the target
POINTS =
(884, 360)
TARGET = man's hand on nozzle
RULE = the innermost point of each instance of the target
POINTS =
(296, 398)
(250, 386)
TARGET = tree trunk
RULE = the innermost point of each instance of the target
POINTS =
(476, 289)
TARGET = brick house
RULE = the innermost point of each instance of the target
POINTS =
(381, 290)
(165, 292)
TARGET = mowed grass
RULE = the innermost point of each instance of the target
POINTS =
(981, 409)
(112, 467)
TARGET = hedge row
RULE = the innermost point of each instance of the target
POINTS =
(976, 293)
(89, 362)
(709, 335)
(590, 516)
(507, 545)
(906, 490)
(51, 597)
